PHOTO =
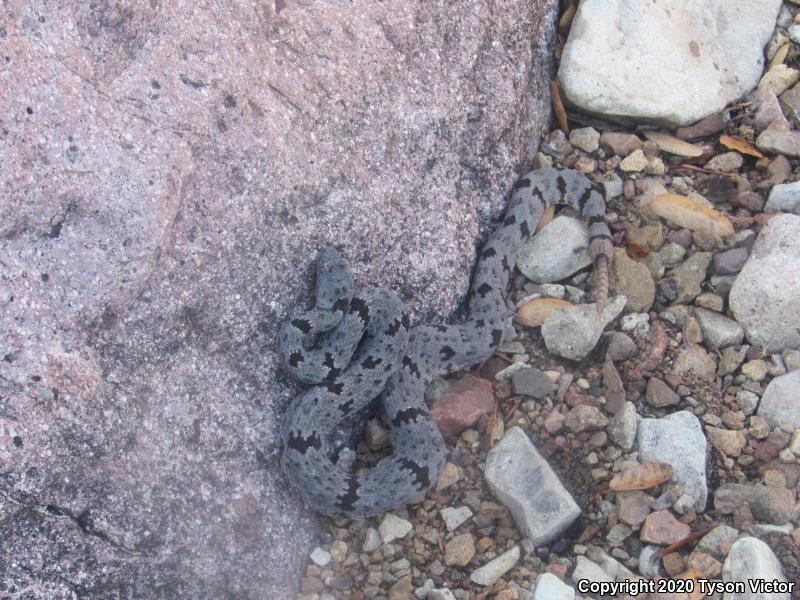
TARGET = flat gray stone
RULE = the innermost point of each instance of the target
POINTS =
(531, 382)
(765, 298)
(589, 570)
(783, 197)
(692, 58)
(557, 251)
(780, 402)
(455, 516)
(492, 571)
(677, 440)
(550, 587)
(573, 331)
(718, 330)
(751, 559)
(525, 484)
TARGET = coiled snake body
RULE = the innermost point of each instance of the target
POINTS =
(364, 347)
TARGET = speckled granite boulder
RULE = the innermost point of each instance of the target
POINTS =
(672, 61)
(168, 172)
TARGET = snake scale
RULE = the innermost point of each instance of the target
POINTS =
(355, 347)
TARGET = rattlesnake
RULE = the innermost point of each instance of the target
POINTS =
(355, 347)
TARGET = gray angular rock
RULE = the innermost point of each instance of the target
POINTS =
(632, 280)
(622, 428)
(489, 573)
(531, 382)
(783, 197)
(730, 261)
(522, 480)
(717, 542)
(550, 587)
(557, 251)
(659, 394)
(573, 331)
(765, 298)
(589, 570)
(693, 58)
(779, 140)
(780, 402)
(169, 171)
(619, 346)
(585, 138)
(683, 283)
(771, 504)
(678, 440)
(750, 559)
(718, 330)
(620, 143)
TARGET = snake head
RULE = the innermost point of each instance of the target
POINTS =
(334, 282)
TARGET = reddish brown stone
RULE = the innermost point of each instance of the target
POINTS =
(662, 528)
(462, 405)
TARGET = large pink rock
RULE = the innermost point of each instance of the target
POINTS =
(168, 171)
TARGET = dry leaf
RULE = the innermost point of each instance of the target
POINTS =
(558, 107)
(547, 216)
(566, 19)
(669, 143)
(641, 477)
(740, 145)
(690, 214)
(780, 56)
(534, 313)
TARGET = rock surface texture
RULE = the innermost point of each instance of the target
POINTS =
(169, 172)
(765, 299)
(672, 61)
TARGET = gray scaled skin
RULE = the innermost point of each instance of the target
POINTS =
(355, 347)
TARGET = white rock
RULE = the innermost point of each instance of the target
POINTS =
(453, 517)
(489, 573)
(586, 569)
(557, 251)
(783, 197)
(794, 33)
(320, 557)
(393, 528)
(550, 587)
(677, 440)
(372, 540)
(781, 400)
(524, 483)
(610, 565)
(672, 61)
(765, 298)
(635, 321)
(573, 331)
(752, 559)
